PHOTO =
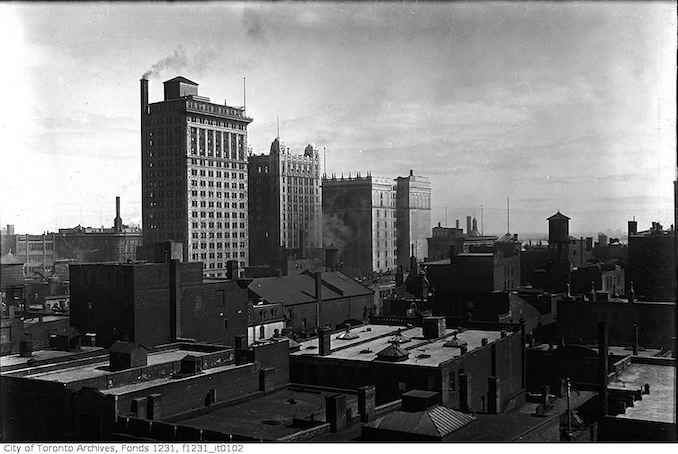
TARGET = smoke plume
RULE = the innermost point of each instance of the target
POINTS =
(336, 232)
(175, 62)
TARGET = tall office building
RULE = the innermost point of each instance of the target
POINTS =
(413, 211)
(359, 218)
(285, 213)
(194, 175)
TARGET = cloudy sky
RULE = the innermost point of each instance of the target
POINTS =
(567, 106)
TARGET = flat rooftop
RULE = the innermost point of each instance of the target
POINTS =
(375, 338)
(43, 356)
(657, 406)
(268, 417)
(100, 368)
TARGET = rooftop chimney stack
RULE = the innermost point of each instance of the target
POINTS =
(468, 225)
(602, 366)
(117, 222)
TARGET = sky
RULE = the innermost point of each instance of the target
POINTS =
(558, 106)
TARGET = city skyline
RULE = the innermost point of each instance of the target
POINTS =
(564, 107)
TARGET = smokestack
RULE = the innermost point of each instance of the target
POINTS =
(457, 224)
(117, 222)
(602, 366)
(144, 98)
(318, 297)
(468, 225)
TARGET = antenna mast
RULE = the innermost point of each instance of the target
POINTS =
(508, 216)
(324, 161)
(277, 120)
(244, 96)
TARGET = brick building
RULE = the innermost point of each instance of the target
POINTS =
(155, 303)
(285, 209)
(652, 263)
(472, 369)
(194, 175)
(86, 394)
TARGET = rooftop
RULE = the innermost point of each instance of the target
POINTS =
(268, 417)
(657, 406)
(300, 288)
(423, 352)
(100, 368)
(12, 361)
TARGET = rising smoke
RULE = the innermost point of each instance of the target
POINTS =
(336, 232)
(175, 62)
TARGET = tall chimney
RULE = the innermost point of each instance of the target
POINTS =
(117, 222)
(144, 99)
(468, 225)
(457, 224)
(602, 367)
(318, 297)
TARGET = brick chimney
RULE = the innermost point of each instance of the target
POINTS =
(324, 343)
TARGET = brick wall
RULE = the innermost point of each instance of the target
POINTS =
(580, 320)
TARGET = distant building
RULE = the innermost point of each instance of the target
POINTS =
(7, 240)
(285, 204)
(78, 245)
(377, 223)
(606, 277)
(155, 303)
(359, 218)
(652, 263)
(194, 175)
(413, 217)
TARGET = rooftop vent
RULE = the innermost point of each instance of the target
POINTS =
(455, 342)
(393, 353)
(127, 355)
(347, 335)
(399, 338)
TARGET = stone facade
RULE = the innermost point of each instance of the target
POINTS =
(194, 175)
(285, 213)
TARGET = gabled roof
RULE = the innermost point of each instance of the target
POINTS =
(300, 288)
(125, 347)
(436, 421)
(10, 259)
(180, 79)
(558, 216)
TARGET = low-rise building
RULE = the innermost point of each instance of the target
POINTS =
(472, 369)
(331, 298)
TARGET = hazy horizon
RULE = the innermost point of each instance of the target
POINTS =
(560, 106)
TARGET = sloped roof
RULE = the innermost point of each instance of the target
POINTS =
(300, 288)
(393, 353)
(436, 421)
(10, 259)
(558, 216)
(181, 79)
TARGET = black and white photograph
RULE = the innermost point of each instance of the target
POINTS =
(232, 225)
